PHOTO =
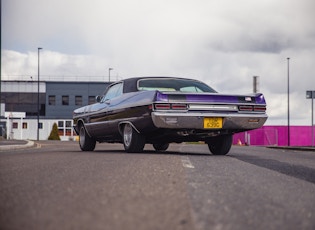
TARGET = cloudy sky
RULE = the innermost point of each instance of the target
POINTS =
(221, 42)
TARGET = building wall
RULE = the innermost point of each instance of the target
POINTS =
(70, 89)
(21, 96)
(22, 86)
(26, 129)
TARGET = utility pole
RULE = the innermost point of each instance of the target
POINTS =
(288, 101)
(109, 73)
(38, 104)
(0, 56)
(255, 84)
(310, 94)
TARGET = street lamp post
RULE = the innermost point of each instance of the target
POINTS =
(311, 95)
(288, 101)
(38, 109)
(255, 84)
(109, 73)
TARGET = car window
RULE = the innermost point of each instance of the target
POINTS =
(174, 84)
(191, 89)
(113, 91)
(156, 88)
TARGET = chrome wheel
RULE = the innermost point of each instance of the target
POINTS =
(127, 134)
(82, 136)
(86, 142)
(133, 141)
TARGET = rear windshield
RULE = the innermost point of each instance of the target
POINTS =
(174, 84)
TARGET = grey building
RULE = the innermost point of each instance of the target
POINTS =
(56, 99)
(63, 97)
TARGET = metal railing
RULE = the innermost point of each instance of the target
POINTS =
(61, 78)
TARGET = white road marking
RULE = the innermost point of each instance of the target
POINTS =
(187, 163)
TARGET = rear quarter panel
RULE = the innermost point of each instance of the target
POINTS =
(102, 119)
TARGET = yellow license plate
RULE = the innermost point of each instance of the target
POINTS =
(212, 122)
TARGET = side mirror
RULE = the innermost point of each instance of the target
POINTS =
(98, 98)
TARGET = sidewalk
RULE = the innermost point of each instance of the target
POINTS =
(6, 145)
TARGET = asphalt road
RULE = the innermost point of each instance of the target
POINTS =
(57, 186)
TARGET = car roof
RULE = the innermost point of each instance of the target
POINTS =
(131, 84)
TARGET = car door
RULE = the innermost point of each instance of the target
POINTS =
(106, 117)
(97, 118)
(113, 99)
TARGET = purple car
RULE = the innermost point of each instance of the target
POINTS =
(164, 110)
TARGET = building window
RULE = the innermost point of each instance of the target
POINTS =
(78, 100)
(40, 125)
(68, 124)
(15, 125)
(60, 124)
(68, 128)
(91, 100)
(65, 100)
(51, 100)
(24, 125)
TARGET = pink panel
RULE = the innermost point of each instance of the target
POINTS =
(276, 135)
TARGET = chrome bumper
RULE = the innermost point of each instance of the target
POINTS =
(196, 120)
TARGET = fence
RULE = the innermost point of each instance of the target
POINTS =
(276, 135)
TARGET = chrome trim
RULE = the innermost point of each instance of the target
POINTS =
(120, 125)
(195, 120)
(213, 107)
(85, 127)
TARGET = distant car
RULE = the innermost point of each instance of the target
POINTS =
(163, 110)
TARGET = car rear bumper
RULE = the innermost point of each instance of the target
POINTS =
(196, 120)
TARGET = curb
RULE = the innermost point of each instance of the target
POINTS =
(310, 149)
(29, 144)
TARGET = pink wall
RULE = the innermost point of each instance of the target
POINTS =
(277, 135)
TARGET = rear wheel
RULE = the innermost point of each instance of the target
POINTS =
(220, 145)
(161, 147)
(133, 141)
(86, 142)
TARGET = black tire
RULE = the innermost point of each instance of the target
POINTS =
(86, 142)
(220, 145)
(161, 147)
(133, 141)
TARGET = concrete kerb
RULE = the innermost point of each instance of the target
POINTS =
(295, 148)
(29, 144)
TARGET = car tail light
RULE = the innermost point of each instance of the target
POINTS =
(162, 106)
(245, 108)
(260, 108)
(168, 106)
(249, 108)
(179, 106)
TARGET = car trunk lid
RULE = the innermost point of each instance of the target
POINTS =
(210, 98)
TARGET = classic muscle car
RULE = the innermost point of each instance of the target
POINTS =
(164, 110)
